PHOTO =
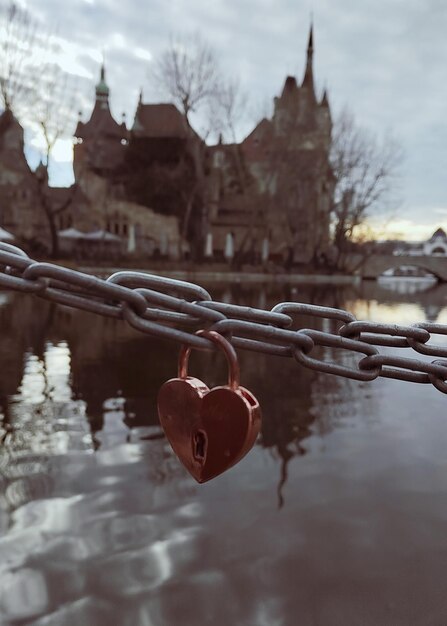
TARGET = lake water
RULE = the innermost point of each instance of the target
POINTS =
(337, 517)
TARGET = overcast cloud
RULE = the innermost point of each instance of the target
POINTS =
(385, 59)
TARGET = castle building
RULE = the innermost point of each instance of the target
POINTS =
(267, 197)
(99, 144)
(271, 194)
(26, 199)
(105, 161)
(159, 172)
(18, 212)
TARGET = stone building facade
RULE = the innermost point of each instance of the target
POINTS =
(18, 211)
(266, 198)
(270, 195)
(102, 158)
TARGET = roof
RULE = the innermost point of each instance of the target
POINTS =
(65, 196)
(12, 156)
(257, 143)
(101, 123)
(102, 89)
(325, 100)
(308, 80)
(290, 86)
(6, 120)
(159, 121)
(5, 235)
(101, 235)
(70, 233)
(59, 195)
(439, 234)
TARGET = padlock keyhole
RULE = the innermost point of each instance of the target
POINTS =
(199, 445)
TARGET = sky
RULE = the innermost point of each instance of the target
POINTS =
(384, 59)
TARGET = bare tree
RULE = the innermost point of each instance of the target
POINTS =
(39, 94)
(365, 170)
(230, 112)
(54, 118)
(18, 43)
(293, 170)
(187, 73)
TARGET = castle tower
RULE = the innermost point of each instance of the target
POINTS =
(308, 80)
(296, 109)
(324, 116)
(100, 142)
(289, 157)
(102, 89)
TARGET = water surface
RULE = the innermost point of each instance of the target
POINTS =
(337, 517)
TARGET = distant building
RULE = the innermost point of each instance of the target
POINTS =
(18, 211)
(271, 194)
(436, 245)
(100, 143)
(104, 162)
(266, 198)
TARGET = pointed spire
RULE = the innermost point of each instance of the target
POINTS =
(102, 89)
(290, 87)
(325, 100)
(308, 80)
(310, 45)
(136, 123)
(41, 172)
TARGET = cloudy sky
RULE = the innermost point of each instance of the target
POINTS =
(385, 59)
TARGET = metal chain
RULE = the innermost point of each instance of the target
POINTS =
(175, 309)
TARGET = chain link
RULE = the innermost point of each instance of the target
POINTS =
(175, 309)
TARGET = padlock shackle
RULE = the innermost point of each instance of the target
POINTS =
(227, 349)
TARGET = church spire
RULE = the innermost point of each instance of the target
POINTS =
(325, 100)
(102, 89)
(308, 80)
(310, 45)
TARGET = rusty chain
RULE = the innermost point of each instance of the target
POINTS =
(174, 309)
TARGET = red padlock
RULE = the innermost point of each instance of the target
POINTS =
(210, 430)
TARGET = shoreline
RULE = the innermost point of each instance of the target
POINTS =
(208, 276)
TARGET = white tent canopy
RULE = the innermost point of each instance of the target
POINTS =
(5, 235)
(71, 233)
(101, 235)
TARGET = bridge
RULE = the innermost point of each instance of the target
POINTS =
(372, 267)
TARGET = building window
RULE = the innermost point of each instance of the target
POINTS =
(218, 159)
(229, 246)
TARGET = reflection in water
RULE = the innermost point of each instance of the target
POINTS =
(407, 285)
(100, 524)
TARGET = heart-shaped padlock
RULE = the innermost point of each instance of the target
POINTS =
(209, 429)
